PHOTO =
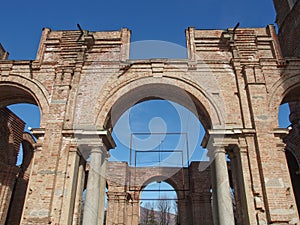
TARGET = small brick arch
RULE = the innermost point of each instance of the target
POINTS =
(173, 182)
(160, 178)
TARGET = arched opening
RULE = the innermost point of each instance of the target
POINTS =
(289, 117)
(158, 128)
(158, 204)
(283, 116)
(158, 133)
(19, 112)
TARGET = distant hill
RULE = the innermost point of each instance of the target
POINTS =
(144, 212)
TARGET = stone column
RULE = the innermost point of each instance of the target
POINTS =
(224, 201)
(102, 191)
(94, 145)
(92, 201)
(214, 206)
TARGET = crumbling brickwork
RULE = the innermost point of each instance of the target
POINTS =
(288, 22)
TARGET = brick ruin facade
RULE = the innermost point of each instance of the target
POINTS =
(233, 80)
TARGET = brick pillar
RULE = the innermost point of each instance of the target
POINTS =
(130, 212)
(202, 208)
(185, 211)
(122, 203)
(111, 208)
(117, 209)
(133, 208)
(205, 200)
(197, 208)
(135, 212)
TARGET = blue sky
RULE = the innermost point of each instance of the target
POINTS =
(22, 21)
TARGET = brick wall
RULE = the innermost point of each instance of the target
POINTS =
(11, 136)
(288, 21)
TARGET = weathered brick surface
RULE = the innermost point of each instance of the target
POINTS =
(11, 136)
(288, 21)
(233, 80)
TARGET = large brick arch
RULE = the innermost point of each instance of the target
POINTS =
(182, 91)
(19, 89)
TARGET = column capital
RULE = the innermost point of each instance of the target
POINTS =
(213, 150)
(96, 149)
(219, 149)
(91, 137)
(225, 137)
